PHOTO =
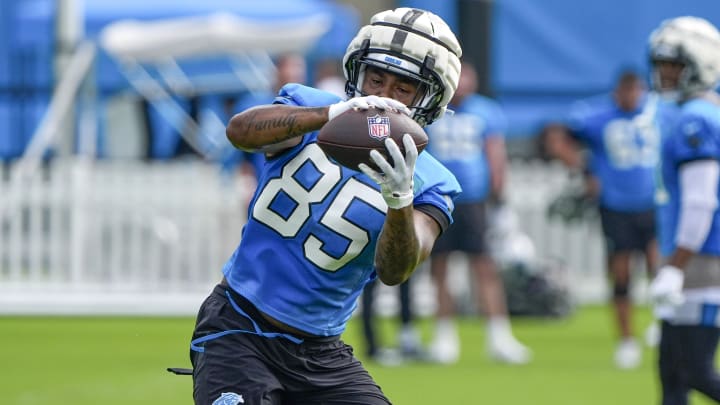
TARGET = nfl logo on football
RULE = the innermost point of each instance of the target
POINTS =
(379, 127)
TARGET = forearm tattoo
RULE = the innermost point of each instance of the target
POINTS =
(279, 127)
(398, 249)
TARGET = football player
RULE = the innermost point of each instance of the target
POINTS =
(317, 232)
(621, 133)
(685, 59)
(471, 144)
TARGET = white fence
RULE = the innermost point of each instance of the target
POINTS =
(116, 238)
(151, 238)
(578, 246)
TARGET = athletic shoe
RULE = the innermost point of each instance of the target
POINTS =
(387, 357)
(628, 354)
(508, 350)
(410, 344)
(445, 348)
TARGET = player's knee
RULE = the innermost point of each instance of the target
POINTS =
(621, 290)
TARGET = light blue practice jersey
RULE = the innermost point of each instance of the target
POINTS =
(458, 140)
(307, 249)
(624, 149)
(695, 136)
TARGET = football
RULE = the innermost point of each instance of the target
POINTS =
(349, 137)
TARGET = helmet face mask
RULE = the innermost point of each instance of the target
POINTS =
(429, 88)
(668, 76)
(411, 43)
(685, 57)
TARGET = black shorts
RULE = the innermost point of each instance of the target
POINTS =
(270, 368)
(627, 231)
(687, 361)
(467, 233)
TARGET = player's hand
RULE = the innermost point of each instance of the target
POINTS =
(365, 103)
(666, 287)
(396, 183)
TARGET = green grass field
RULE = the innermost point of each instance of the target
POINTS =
(122, 361)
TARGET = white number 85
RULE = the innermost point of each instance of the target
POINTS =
(334, 216)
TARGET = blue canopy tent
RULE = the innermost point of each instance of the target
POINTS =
(545, 55)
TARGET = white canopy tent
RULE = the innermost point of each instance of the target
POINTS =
(217, 33)
(247, 45)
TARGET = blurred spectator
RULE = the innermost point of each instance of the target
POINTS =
(329, 77)
(211, 112)
(577, 201)
(291, 68)
(614, 140)
(471, 144)
(685, 61)
(408, 337)
(167, 141)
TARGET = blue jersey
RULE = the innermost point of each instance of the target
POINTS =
(695, 136)
(457, 141)
(624, 149)
(308, 247)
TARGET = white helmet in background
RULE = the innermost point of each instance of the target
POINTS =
(413, 43)
(692, 42)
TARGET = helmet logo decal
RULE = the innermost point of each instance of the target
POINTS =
(378, 127)
(666, 51)
(392, 60)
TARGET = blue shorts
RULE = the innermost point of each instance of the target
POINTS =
(236, 353)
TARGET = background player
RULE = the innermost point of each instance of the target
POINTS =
(408, 336)
(685, 56)
(317, 232)
(620, 132)
(471, 144)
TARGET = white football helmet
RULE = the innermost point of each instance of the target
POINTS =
(692, 42)
(413, 43)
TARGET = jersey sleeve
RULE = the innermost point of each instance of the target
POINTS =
(694, 139)
(304, 96)
(435, 185)
(252, 100)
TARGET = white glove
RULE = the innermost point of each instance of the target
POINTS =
(396, 183)
(666, 287)
(367, 102)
